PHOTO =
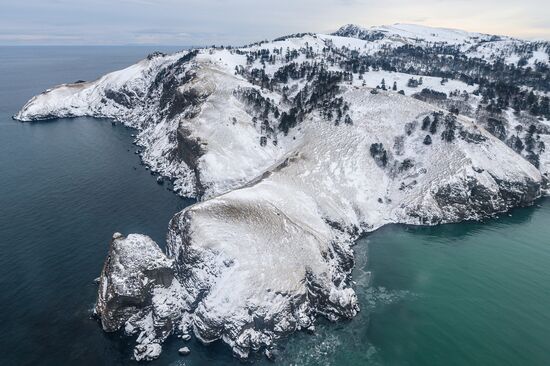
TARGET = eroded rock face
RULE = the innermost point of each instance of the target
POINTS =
(136, 293)
(478, 197)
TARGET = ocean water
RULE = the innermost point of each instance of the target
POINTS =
(462, 294)
(459, 294)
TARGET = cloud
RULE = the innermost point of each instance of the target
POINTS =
(37, 38)
(139, 2)
(195, 22)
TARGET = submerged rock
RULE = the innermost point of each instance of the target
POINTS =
(147, 352)
(184, 351)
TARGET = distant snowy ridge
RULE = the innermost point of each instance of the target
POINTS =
(295, 147)
(471, 44)
(417, 32)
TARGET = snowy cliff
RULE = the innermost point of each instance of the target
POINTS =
(296, 147)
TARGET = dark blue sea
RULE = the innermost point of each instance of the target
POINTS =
(464, 294)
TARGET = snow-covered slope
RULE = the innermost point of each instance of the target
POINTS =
(470, 44)
(295, 147)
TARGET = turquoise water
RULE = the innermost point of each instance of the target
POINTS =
(463, 294)
(481, 293)
(460, 294)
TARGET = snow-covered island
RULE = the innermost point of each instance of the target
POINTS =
(294, 148)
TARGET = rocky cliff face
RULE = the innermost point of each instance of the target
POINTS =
(139, 293)
(295, 149)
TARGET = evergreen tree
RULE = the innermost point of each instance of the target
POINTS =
(426, 123)
(379, 154)
(433, 125)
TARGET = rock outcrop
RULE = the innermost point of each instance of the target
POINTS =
(138, 292)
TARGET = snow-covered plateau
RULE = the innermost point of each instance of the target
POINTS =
(294, 148)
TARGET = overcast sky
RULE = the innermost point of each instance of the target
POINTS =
(206, 22)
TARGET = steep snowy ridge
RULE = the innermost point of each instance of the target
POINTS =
(295, 148)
